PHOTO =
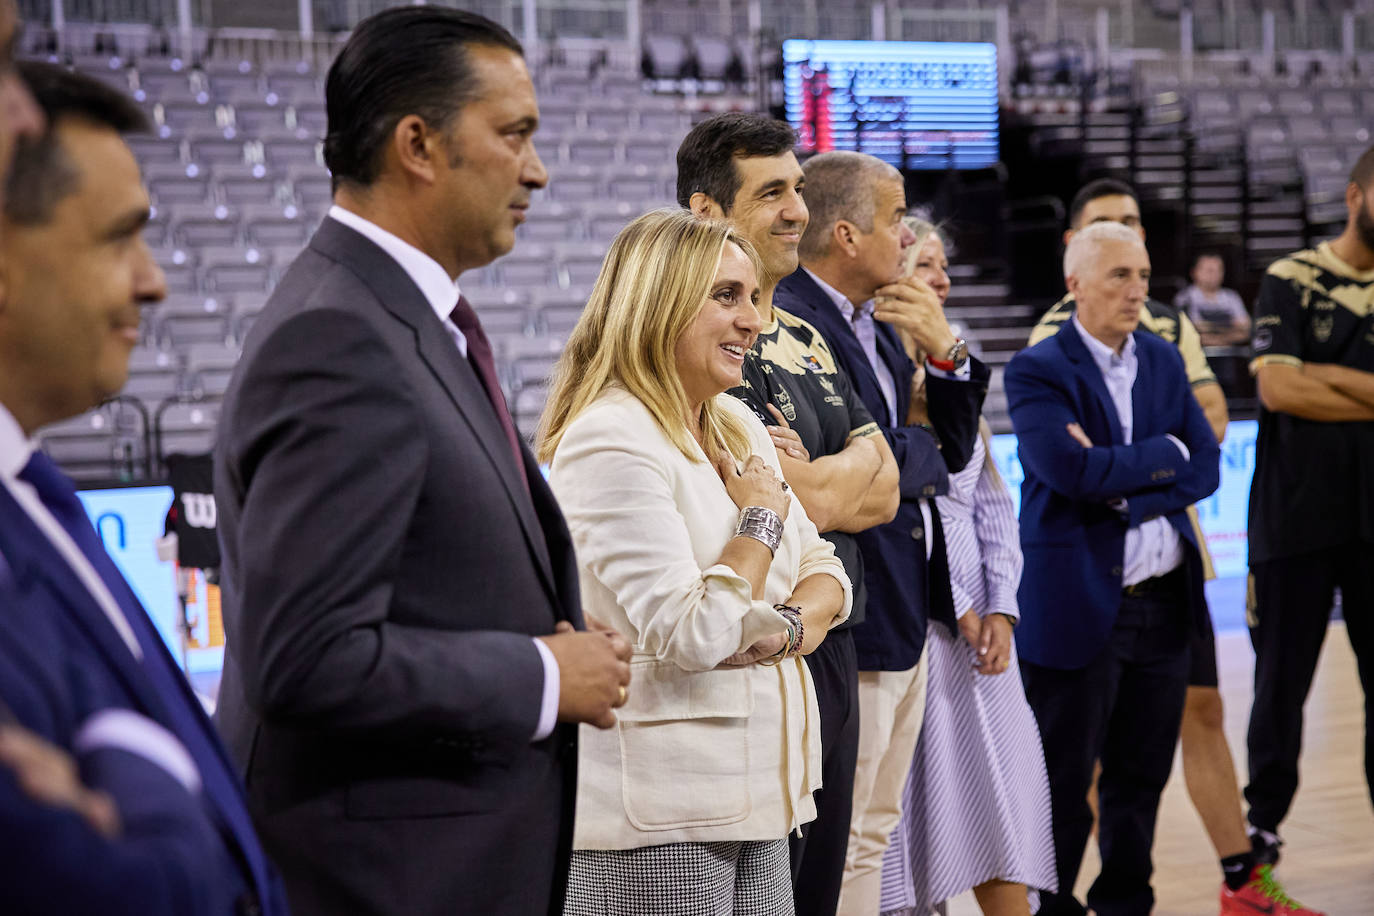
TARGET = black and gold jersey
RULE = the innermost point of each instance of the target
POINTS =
(791, 367)
(1314, 482)
(1159, 318)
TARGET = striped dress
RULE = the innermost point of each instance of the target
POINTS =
(977, 800)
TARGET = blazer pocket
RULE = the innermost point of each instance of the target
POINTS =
(684, 747)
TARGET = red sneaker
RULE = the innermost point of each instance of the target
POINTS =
(1262, 895)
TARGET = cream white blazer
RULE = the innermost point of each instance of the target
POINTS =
(699, 753)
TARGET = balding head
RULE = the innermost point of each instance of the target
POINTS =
(842, 186)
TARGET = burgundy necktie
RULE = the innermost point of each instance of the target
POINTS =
(479, 354)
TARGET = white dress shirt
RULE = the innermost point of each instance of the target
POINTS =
(442, 292)
(15, 451)
(1153, 548)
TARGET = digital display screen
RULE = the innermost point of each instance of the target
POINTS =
(130, 521)
(915, 104)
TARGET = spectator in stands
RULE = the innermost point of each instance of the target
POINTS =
(850, 288)
(1218, 312)
(1311, 519)
(1208, 768)
(399, 585)
(84, 667)
(1114, 450)
(691, 546)
(976, 806)
(741, 168)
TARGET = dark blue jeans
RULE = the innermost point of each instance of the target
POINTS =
(1123, 708)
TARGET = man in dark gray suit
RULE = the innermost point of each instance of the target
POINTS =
(400, 588)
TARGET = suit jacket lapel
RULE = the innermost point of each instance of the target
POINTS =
(34, 559)
(893, 354)
(1140, 411)
(399, 296)
(839, 334)
(1084, 364)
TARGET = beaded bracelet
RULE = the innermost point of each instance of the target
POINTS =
(793, 616)
(796, 634)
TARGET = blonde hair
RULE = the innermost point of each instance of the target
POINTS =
(653, 283)
(922, 229)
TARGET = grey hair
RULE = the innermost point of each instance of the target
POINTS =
(840, 185)
(1087, 242)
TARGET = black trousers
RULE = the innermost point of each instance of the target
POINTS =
(818, 854)
(1292, 608)
(1123, 708)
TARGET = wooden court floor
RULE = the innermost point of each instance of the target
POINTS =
(1328, 861)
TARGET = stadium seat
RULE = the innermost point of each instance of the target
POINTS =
(185, 426)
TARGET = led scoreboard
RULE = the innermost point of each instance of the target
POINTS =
(915, 104)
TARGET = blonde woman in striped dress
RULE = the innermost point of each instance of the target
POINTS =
(976, 809)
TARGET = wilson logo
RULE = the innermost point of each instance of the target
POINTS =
(199, 509)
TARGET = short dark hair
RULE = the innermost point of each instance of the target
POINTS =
(42, 174)
(706, 158)
(402, 61)
(1362, 172)
(1209, 253)
(1099, 187)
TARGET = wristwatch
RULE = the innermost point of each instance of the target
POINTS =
(954, 359)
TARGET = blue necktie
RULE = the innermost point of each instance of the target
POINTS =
(183, 714)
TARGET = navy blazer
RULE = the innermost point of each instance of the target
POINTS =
(61, 661)
(904, 592)
(1073, 541)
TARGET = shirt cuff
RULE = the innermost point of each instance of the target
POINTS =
(133, 733)
(1187, 455)
(548, 706)
(961, 374)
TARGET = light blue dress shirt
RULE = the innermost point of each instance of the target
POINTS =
(1153, 548)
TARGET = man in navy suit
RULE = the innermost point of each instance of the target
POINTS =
(849, 287)
(100, 806)
(1114, 449)
(74, 275)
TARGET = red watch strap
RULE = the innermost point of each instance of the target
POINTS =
(944, 365)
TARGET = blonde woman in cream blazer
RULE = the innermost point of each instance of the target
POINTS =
(685, 805)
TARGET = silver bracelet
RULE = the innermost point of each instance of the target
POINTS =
(761, 524)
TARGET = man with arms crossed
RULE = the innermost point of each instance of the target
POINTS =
(1114, 449)
(80, 662)
(1208, 768)
(741, 167)
(1311, 515)
(400, 588)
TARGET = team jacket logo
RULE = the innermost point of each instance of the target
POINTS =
(789, 410)
(199, 509)
(811, 363)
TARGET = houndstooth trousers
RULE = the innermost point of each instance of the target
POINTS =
(682, 879)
